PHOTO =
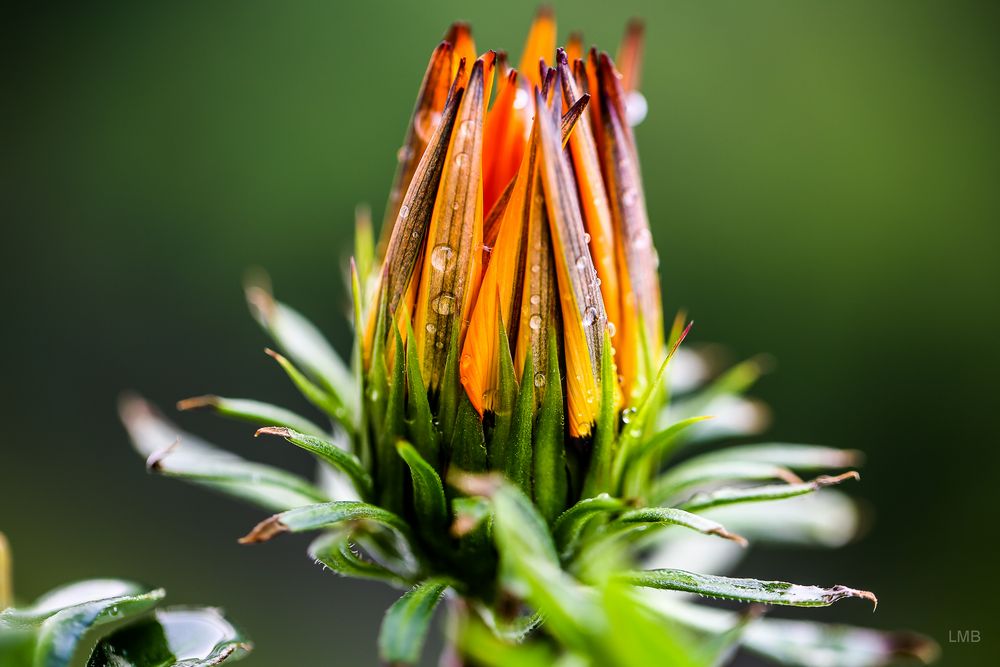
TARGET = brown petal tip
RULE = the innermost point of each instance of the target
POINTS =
(264, 531)
(279, 431)
(195, 402)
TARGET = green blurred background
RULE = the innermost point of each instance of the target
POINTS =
(823, 184)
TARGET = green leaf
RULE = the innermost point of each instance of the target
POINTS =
(256, 412)
(68, 636)
(640, 637)
(363, 445)
(315, 394)
(305, 345)
(549, 480)
(172, 452)
(428, 491)
(364, 240)
(570, 525)
(726, 496)
(325, 515)
(481, 643)
(326, 451)
(664, 516)
(174, 637)
(745, 590)
(422, 431)
(518, 451)
(337, 551)
(404, 628)
(658, 446)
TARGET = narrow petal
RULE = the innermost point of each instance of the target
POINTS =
(406, 242)
(583, 314)
(504, 141)
(479, 361)
(641, 320)
(629, 58)
(593, 199)
(424, 120)
(541, 44)
(459, 35)
(451, 270)
(574, 46)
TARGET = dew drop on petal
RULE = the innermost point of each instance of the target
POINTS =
(629, 197)
(539, 379)
(581, 263)
(535, 299)
(441, 257)
(589, 315)
(586, 237)
(404, 211)
(535, 322)
(431, 327)
(612, 329)
(443, 303)
(535, 268)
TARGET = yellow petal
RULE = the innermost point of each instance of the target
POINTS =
(504, 141)
(583, 316)
(574, 47)
(460, 37)
(629, 58)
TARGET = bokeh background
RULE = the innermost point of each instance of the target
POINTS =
(823, 184)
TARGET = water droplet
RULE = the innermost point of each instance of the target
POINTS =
(520, 98)
(404, 153)
(589, 315)
(404, 211)
(441, 257)
(586, 237)
(612, 330)
(535, 299)
(630, 196)
(431, 327)
(415, 234)
(581, 263)
(643, 239)
(535, 268)
(535, 322)
(443, 303)
(539, 379)
(461, 160)
(424, 123)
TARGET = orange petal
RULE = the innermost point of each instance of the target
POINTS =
(479, 361)
(629, 57)
(574, 46)
(504, 141)
(425, 118)
(459, 35)
(641, 326)
(583, 315)
(541, 44)
(451, 270)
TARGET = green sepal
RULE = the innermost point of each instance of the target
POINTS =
(504, 402)
(404, 628)
(421, 422)
(335, 550)
(744, 590)
(389, 469)
(364, 241)
(519, 451)
(550, 478)
(363, 445)
(429, 501)
(255, 412)
(318, 396)
(174, 453)
(327, 451)
(468, 447)
(305, 345)
(600, 477)
(731, 495)
(570, 525)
